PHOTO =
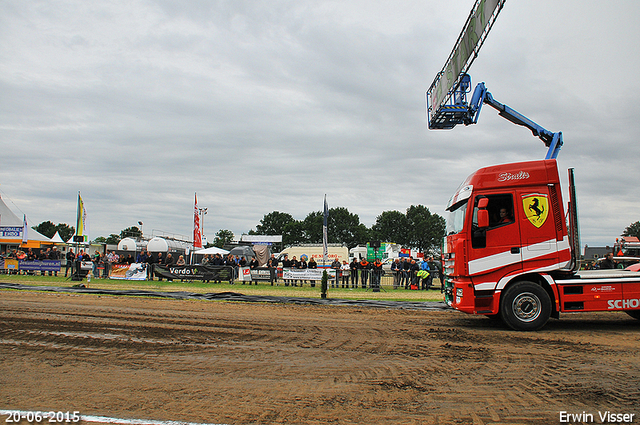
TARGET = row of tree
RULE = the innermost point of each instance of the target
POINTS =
(48, 229)
(417, 228)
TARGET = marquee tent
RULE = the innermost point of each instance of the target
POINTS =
(212, 251)
(57, 238)
(11, 228)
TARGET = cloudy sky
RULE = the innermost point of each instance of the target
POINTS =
(261, 106)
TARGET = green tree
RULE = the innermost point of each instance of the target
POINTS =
(632, 230)
(345, 228)
(426, 230)
(113, 239)
(391, 226)
(48, 229)
(65, 231)
(278, 223)
(312, 227)
(273, 223)
(223, 237)
(293, 233)
(131, 232)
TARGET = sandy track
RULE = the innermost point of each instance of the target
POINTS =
(242, 363)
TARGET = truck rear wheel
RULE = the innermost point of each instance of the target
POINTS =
(634, 313)
(525, 306)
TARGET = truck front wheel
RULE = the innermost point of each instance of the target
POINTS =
(525, 306)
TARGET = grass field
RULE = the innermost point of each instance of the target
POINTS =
(262, 288)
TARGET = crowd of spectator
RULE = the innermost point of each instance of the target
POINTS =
(407, 272)
(50, 253)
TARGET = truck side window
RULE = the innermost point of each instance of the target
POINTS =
(500, 209)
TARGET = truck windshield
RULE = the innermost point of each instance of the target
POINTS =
(455, 221)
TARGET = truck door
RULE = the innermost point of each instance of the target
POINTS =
(538, 229)
(496, 248)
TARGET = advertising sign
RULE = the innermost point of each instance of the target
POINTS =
(134, 271)
(195, 272)
(10, 231)
(40, 266)
(307, 274)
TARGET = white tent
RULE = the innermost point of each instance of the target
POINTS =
(211, 250)
(9, 222)
(56, 238)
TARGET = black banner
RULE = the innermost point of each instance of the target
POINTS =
(194, 272)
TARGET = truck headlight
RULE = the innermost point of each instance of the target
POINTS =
(459, 292)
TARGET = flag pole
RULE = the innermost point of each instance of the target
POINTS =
(325, 242)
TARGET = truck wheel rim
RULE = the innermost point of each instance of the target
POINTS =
(527, 307)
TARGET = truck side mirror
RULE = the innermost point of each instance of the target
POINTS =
(483, 219)
(483, 214)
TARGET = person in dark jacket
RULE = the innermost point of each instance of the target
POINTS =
(363, 266)
(376, 275)
(353, 269)
(608, 262)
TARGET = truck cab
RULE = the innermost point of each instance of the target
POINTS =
(509, 253)
(506, 221)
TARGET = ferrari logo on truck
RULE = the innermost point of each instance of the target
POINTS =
(536, 208)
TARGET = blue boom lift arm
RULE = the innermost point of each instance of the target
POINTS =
(459, 112)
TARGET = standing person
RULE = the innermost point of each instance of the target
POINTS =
(353, 270)
(273, 269)
(336, 266)
(217, 262)
(406, 273)
(70, 257)
(302, 264)
(43, 255)
(165, 263)
(159, 262)
(181, 261)
(113, 259)
(54, 255)
(97, 258)
(426, 277)
(396, 270)
(433, 268)
(151, 261)
(294, 265)
(364, 272)
(376, 274)
(413, 270)
(230, 262)
(312, 265)
(345, 269)
(286, 265)
(608, 262)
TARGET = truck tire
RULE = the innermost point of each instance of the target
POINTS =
(634, 313)
(525, 306)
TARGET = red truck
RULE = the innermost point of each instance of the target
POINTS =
(509, 252)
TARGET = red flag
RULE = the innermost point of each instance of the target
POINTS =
(197, 236)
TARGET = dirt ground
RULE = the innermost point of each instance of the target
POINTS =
(253, 363)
